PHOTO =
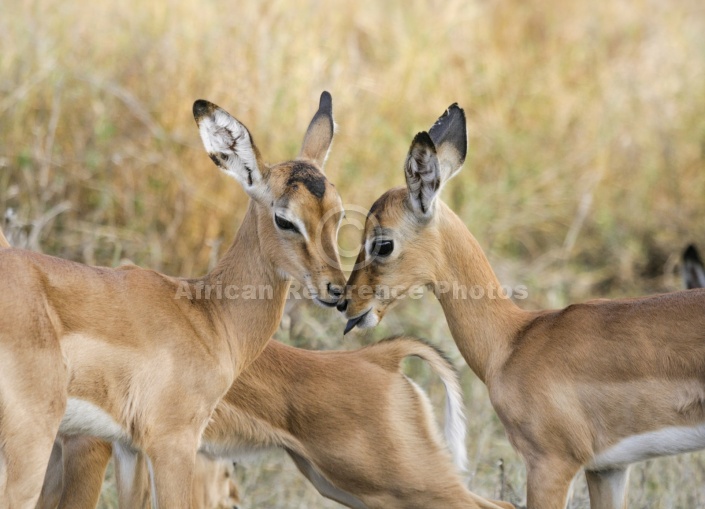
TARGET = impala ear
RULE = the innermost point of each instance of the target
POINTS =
(449, 135)
(319, 134)
(423, 175)
(693, 271)
(434, 158)
(230, 146)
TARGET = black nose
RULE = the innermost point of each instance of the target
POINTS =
(342, 305)
(335, 290)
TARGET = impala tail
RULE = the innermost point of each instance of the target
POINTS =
(692, 268)
(399, 348)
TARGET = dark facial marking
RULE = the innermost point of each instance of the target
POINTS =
(309, 176)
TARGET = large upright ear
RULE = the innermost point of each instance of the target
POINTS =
(693, 270)
(319, 134)
(449, 135)
(230, 146)
(423, 175)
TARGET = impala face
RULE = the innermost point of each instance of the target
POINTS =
(303, 217)
(299, 211)
(401, 243)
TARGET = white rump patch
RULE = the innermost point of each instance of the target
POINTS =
(85, 418)
(664, 442)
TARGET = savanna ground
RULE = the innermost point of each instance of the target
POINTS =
(585, 175)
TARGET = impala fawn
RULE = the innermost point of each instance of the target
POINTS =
(597, 385)
(133, 355)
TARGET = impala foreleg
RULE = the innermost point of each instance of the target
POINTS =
(548, 482)
(173, 457)
(608, 488)
(34, 400)
(24, 459)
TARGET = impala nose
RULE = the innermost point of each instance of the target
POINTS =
(342, 305)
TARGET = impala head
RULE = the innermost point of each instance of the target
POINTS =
(298, 210)
(401, 240)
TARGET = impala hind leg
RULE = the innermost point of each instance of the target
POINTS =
(548, 483)
(85, 461)
(608, 488)
(53, 480)
(132, 477)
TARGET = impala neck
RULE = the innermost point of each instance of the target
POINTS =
(251, 304)
(483, 321)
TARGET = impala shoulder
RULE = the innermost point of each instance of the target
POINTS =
(550, 321)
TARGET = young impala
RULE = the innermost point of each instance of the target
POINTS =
(597, 385)
(134, 355)
(355, 426)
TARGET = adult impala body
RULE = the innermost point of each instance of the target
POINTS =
(597, 385)
(355, 426)
(134, 355)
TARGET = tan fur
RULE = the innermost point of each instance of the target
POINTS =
(567, 384)
(128, 342)
(353, 416)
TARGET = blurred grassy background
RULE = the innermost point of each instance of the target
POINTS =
(585, 175)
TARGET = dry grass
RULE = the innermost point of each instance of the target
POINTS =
(585, 174)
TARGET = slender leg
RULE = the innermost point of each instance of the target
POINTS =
(608, 488)
(548, 482)
(172, 460)
(132, 478)
(26, 458)
(53, 480)
(323, 485)
(85, 461)
(33, 399)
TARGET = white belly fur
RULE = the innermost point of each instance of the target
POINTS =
(85, 418)
(664, 442)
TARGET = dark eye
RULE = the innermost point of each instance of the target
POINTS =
(382, 247)
(284, 224)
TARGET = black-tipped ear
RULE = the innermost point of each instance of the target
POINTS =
(449, 134)
(693, 270)
(423, 176)
(229, 145)
(319, 134)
